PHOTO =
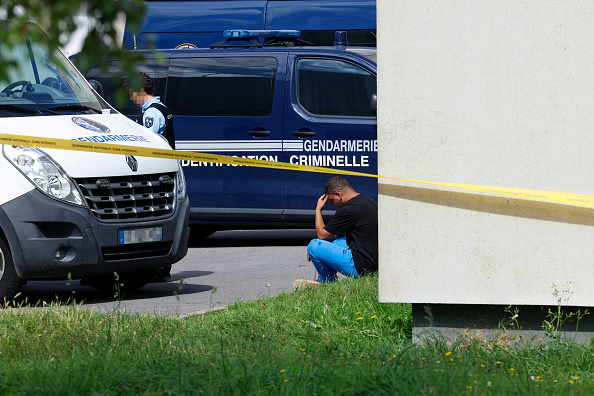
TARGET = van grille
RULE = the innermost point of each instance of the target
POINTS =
(130, 197)
(141, 250)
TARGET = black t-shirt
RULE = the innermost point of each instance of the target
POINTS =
(357, 218)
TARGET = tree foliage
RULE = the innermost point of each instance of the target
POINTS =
(58, 19)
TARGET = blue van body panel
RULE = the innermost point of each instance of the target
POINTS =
(321, 14)
(224, 186)
(168, 24)
(227, 197)
(354, 140)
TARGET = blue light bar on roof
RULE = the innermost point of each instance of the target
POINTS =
(247, 34)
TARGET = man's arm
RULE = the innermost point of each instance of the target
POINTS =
(322, 233)
(153, 119)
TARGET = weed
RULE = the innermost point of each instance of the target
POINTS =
(552, 326)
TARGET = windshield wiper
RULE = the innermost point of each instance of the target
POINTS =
(18, 109)
(73, 107)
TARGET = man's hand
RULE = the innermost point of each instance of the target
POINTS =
(319, 221)
(322, 202)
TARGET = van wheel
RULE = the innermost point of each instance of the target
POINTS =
(9, 281)
(201, 232)
(127, 281)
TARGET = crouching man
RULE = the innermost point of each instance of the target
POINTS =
(348, 244)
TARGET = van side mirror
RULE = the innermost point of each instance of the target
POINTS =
(97, 86)
(373, 104)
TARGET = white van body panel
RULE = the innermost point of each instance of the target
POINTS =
(84, 164)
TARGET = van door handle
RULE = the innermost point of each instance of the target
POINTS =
(259, 133)
(303, 133)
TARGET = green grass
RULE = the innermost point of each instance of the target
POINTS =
(334, 339)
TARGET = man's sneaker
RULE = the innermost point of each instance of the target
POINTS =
(302, 284)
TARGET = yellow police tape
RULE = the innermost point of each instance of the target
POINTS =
(64, 144)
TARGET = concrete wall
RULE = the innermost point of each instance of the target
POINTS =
(497, 93)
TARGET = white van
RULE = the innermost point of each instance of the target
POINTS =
(74, 214)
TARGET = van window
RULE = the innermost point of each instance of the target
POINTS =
(112, 79)
(329, 87)
(41, 80)
(230, 86)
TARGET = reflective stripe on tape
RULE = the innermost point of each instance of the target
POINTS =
(64, 144)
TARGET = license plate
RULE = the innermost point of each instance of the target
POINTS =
(141, 235)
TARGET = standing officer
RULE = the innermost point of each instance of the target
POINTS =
(158, 118)
(154, 114)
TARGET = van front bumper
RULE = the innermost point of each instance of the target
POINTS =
(52, 240)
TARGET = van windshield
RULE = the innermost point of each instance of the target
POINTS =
(43, 84)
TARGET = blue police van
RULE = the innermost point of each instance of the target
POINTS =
(264, 95)
(202, 22)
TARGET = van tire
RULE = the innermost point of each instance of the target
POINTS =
(128, 281)
(9, 280)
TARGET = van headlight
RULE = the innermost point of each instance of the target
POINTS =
(181, 183)
(44, 173)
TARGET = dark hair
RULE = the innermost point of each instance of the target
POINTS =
(335, 184)
(147, 84)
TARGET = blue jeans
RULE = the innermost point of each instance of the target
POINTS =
(330, 258)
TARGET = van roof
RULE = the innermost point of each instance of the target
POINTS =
(366, 52)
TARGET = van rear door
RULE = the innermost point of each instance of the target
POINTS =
(229, 105)
(327, 123)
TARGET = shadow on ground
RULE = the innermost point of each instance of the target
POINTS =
(40, 293)
(256, 238)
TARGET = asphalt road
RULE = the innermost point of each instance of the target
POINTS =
(219, 270)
